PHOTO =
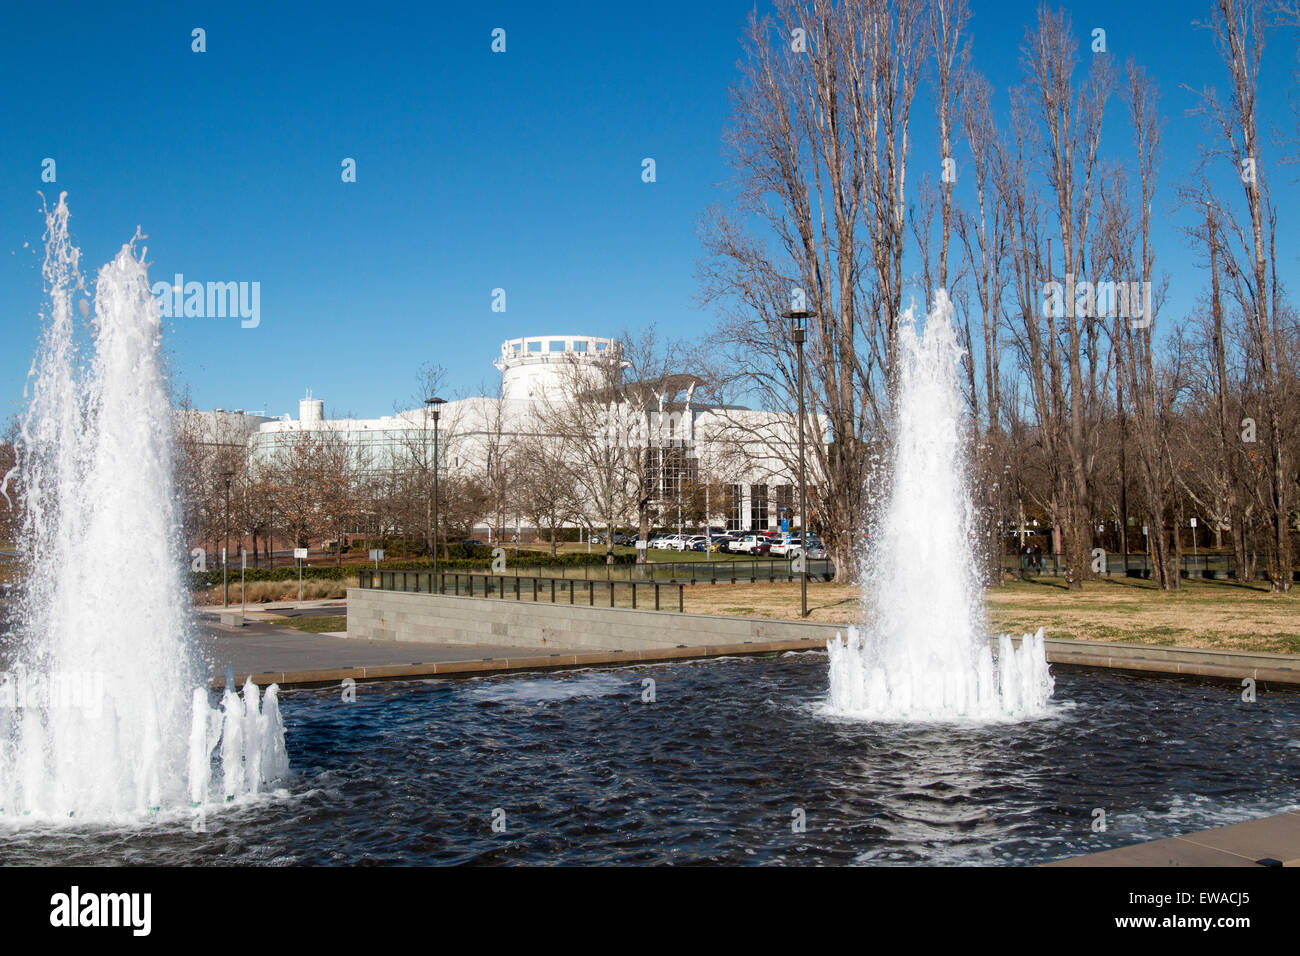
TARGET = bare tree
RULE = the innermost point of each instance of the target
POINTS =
(819, 148)
(1239, 30)
(1071, 120)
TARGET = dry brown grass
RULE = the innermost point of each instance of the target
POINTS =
(1202, 614)
(265, 592)
(827, 603)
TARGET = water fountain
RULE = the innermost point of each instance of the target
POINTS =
(97, 698)
(925, 654)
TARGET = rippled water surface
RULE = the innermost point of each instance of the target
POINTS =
(716, 769)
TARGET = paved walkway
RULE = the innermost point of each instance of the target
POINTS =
(274, 651)
(1269, 841)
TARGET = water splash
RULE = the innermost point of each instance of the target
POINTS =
(95, 705)
(926, 654)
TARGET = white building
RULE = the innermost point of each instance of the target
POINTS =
(750, 453)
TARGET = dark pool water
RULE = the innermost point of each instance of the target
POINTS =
(716, 769)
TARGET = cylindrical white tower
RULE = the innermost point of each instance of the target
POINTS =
(311, 410)
(530, 366)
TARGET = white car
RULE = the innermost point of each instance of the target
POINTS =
(787, 546)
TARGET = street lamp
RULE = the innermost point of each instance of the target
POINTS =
(798, 318)
(431, 405)
(225, 552)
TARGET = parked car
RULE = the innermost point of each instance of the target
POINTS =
(781, 547)
(720, 542)
(679, 542)
(815, 548)
(755, 544)
(696, 542)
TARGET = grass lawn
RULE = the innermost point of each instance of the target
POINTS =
(315, 625)
(1214, 614)
(1211, 614)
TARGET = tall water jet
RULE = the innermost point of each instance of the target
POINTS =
(925, 653)
(99, 709)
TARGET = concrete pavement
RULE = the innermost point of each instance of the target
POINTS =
(1269, 841)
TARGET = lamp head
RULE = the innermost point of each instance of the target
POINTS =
(798, 323)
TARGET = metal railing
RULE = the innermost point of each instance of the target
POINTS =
(1209, 566)
(593, 592)
(672, 572)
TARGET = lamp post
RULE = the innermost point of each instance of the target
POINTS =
(798, 318)
(225, 551)
(432, 404)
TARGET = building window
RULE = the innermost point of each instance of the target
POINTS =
(735, 499)
(757, 507)
(785, 503)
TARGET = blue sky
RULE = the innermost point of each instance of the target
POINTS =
(475, 171)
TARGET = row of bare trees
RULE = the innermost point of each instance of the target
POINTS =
(1091, 400)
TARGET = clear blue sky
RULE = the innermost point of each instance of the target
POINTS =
(475, 170)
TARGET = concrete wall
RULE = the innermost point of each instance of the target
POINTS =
(445, 619)
(546, 627)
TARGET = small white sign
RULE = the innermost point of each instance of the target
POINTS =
(1193, 522)
(243, 560)
(640, 544)
(299, 553)
(376, 554)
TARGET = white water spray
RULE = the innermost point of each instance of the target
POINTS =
(95, 707)
(925, 654)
